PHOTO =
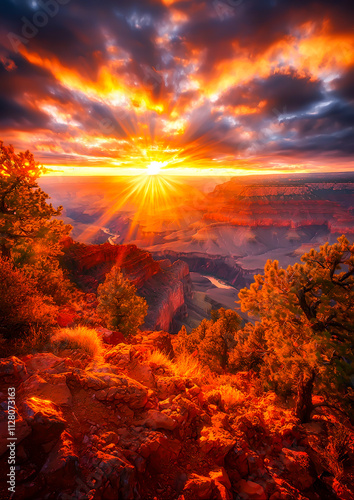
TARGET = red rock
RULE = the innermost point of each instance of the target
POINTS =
(159, 450)
(217, 442)
(161, 341)
(143, 374)
(120, 355)
(44, 418)
(66, 316)
(48, 363)
(59, 471)
(158, 420)
(110, 337)
(221, 476)
(22, 429)
(343, 491)
(199, 487)
(13, 367)
(222, 493)
(299, 468)
(57, 392)
(164, 289)
(248, 490)
(114, 474)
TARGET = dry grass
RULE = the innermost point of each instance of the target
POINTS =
(184, 365)
(160, 360)
(79, 337)
(228, 397)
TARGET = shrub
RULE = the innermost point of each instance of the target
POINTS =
(22, 308)
(211, 340)
(80, 337)
(160, 359)
(118, 304)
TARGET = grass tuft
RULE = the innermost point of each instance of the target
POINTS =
(185, 365)
(79, 337)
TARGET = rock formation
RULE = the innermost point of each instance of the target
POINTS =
(164, 285)
(134, 429)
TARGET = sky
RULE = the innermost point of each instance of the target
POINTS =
(214, 87)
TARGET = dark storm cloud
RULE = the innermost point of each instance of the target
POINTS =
(77, 33)
(344, 85)
(282, 93)
(331, 129)
(15, 115)
(82, 32)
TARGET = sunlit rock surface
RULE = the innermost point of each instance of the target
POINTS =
(135, 428)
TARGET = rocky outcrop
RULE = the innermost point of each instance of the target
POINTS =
(89, 264)
(164, 285)
(121, 436)
(166, 294)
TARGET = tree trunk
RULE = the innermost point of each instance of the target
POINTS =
(304, 406)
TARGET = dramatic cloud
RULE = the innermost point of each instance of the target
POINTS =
(215, 84)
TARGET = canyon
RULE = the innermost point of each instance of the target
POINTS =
(226, 230)
(166, 286)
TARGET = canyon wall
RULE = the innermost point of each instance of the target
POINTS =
(164, 285)
(222, 267)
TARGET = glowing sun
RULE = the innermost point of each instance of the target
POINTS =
(155, 167)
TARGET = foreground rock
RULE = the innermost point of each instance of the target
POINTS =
(121, 428)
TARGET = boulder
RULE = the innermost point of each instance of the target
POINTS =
(299, 469)
(66, 316)
(12, 367)
(47, 362)
(159, 450)
(114, 477)
(60, 469)
(160, 341)
(124, 390)
(85, 379)
(22, 429)
(171, 386)
(120, 355)
(143, 374)
(57, 392)
(111, 337)
(248, 490)
(44, 418)
(199, 487)
(158, 420)
(216, 442)
(221, 476)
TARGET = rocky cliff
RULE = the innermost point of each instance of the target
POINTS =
(164, 285)
(278, 202)
(134, 426)
(220, 266)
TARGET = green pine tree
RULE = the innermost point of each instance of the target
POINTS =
(118, 304)
(307, 312)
